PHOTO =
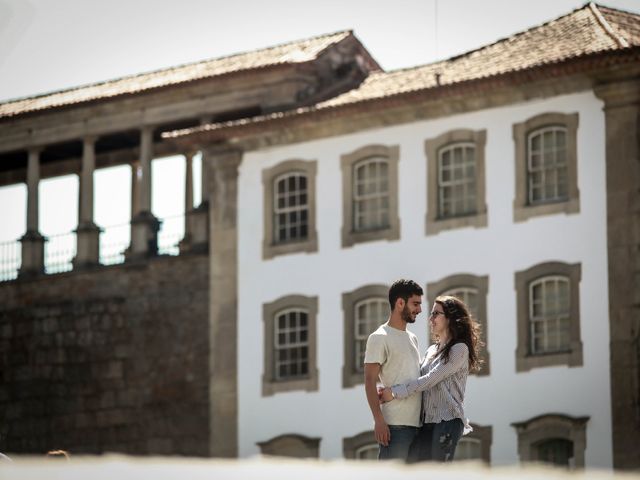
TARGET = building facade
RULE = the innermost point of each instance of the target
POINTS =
(506, 177)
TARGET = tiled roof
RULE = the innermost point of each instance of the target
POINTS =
(289, 53)
(590, 29)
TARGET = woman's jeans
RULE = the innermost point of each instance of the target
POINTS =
(401, 439)
(437, 442)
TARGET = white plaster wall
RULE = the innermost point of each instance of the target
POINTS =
(499, 250)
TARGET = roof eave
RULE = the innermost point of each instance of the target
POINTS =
(260, 125)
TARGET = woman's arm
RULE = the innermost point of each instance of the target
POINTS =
(458, 358)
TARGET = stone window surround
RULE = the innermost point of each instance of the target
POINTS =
(481, 283)
(285, 446)
(270, 386)
(434, 224)
(347, 162)
(549, 426)
(522, 210)
(310, 245)
(350, 377)
(351, 444)
(485, 435)
(573, 358)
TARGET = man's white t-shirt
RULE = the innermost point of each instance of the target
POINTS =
(397, 353)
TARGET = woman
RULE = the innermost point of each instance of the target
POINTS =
(444, 373)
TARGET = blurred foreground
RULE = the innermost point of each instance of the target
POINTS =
(161, 468)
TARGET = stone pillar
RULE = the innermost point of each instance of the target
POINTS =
(196, 227)
(136, 174)
(223, 303)
(144, 226)
(88, 233)
(32, 241)
(622, 117)
(188, 180)
(206, 167)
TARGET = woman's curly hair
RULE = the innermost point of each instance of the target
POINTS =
(463, 328)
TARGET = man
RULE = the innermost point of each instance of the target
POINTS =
(392, 356)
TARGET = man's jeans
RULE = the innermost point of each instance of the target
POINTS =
(401, 438)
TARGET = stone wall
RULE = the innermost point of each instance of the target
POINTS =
(109, 360)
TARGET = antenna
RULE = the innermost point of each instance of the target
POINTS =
(435, 26)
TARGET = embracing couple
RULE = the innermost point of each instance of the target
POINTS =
(419, 410)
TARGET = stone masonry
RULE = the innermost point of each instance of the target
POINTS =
(110, 359)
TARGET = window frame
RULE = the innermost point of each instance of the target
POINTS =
(434, 223)
(348, 161)
(483, 434)
(550, 426)
(270, 384)
(350, 376)
(277, 446)
(271, 248)
(525, 359)
(479, 283)
(523, 209)
(350, 445)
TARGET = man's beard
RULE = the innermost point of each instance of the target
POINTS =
(406, 315)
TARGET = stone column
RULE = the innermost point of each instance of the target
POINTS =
(223, 303)
(32, 241)
(144, 226)
(199, 216)
(136, 173)
(622, 118)
(205, 169)
(88, 233)
(196, 228)
(188, 180)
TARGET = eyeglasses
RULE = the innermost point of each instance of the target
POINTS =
(435, 313)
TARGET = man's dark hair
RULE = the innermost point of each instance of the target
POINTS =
(403, 289)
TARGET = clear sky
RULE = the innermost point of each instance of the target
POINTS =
(48, 45)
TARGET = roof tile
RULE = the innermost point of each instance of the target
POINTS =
(293, 52)
(575, 34)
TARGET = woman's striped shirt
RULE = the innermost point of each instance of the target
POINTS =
(442, 384)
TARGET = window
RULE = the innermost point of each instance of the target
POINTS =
(455, 180)
(291, 445)
(365, 309)
(468, 449)
(367, 452)
(370, 195)
(556, 451)
(548, 316)
(369, 315)
(476, 445)
(546, 166)
(291, 339)
(553, 438)
(360, 447)
(472, 290)
(289, 208)
(290, 350)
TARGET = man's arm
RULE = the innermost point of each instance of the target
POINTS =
(381, 429)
